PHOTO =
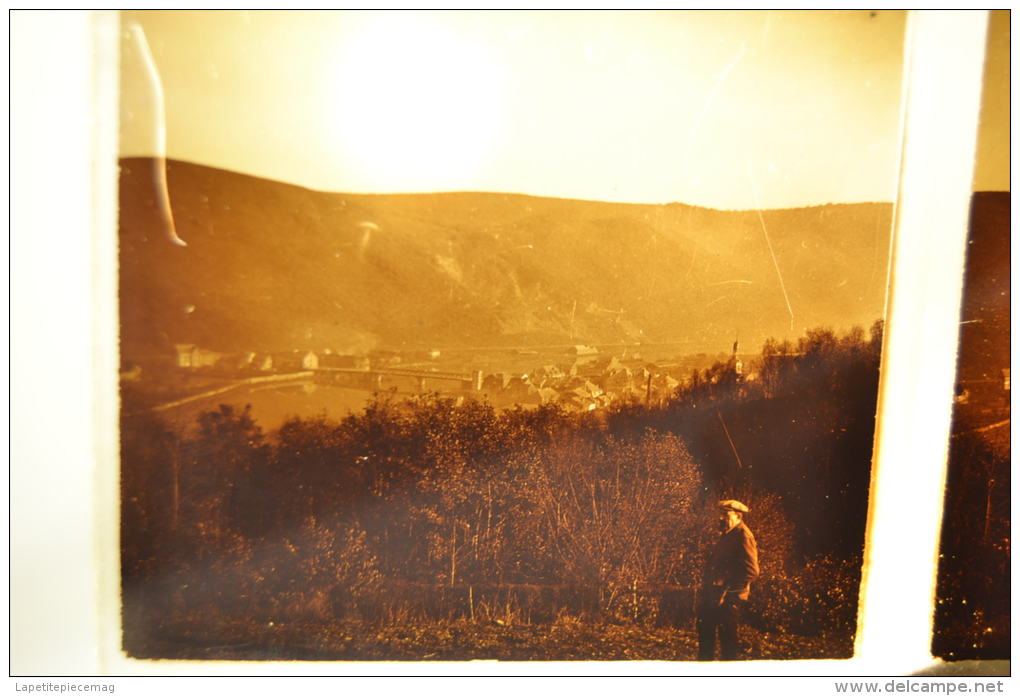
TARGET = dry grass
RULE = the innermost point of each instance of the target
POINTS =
(565, 639)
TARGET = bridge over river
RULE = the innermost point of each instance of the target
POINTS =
(375, 378)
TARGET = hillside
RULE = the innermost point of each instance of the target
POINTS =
(984, 332)
(272, 266)
(972, 619)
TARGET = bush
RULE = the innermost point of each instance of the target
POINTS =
(816, 598)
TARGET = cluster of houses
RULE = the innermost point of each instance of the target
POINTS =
(586, 383)
(193, 357)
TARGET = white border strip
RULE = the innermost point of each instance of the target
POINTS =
(53, 615)
(945, 53)
(106, 324)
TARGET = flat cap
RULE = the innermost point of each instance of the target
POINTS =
(734, 505)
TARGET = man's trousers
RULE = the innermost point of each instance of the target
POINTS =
(721, 619)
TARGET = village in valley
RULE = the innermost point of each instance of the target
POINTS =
(576, 378)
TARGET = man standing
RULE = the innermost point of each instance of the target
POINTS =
(726, 583)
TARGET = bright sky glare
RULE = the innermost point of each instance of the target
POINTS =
(723, 109)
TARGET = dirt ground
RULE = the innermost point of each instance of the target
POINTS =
(459, 640)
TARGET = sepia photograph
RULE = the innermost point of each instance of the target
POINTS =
(502, 335)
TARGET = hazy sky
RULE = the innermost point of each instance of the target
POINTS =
(722, 109)
(992, 169)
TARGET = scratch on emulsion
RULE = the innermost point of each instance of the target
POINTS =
(162, 190)
(768, 242)
(367, 228)
(720, 79)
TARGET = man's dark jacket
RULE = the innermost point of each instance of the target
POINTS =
(732, 566)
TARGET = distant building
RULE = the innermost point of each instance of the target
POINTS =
(184, 354)
(520, 389)
(582, 350)
(498, 381)
(295, 360)
(620, 378)
(530, 395)
(188, 355)
(582, 398)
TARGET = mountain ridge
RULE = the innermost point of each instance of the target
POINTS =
(456, 192)
(273, 265)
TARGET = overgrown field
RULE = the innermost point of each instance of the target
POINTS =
(428, 530)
